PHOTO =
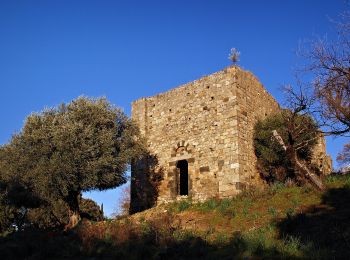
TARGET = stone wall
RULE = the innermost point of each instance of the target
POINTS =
(209, 123)
(254, 103)
(320, 159)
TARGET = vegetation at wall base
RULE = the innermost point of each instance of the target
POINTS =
(277, 157)
(282, 221)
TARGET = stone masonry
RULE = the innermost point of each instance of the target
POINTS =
(201, 137)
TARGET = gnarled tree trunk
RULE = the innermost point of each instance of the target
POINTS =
(300, 168)
(74, 213)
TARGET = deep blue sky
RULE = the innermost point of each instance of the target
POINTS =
(53, 51)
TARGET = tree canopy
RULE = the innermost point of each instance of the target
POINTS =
(84, 145)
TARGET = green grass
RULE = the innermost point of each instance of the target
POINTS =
(264, 219)
(336, 181)
(280, 222)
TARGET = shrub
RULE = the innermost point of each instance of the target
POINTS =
(274, 164)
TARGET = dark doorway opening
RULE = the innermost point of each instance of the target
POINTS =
(183, 183)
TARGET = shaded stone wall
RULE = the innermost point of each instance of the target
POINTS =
(254, 103)
(320, 158)
(209, 123)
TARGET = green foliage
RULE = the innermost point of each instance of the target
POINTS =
(272, 211)
(90, 210)
(297, 131)
(338, 180)
(226, 208)
(276, 187)
(208, 205)
(7, 215)
(60, 152)
(266, 147)
(290, 212)
(51, 215)
(56, 214)
(183, 205)
(180, 205)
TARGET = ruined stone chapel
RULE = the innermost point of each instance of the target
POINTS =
(201, 136)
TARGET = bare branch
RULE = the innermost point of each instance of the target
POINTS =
(329, 66)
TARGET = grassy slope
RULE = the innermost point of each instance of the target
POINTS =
(283, 222)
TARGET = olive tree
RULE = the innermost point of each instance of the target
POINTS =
(63, 151)
(283, 144)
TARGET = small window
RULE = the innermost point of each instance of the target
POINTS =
(183, 180)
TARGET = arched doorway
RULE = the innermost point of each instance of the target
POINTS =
(183, 180)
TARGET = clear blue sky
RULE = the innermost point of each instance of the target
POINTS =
(53, 51)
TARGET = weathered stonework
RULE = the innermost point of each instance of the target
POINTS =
(320, 159)
(206, 125)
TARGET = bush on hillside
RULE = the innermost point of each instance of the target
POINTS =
(298, 132)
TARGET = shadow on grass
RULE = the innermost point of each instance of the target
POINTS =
(35, 244)
(39, 244)
(325, 226)
(321, 231)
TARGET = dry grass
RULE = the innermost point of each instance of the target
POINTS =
(282, 222)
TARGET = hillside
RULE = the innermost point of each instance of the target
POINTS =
(282, 222)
